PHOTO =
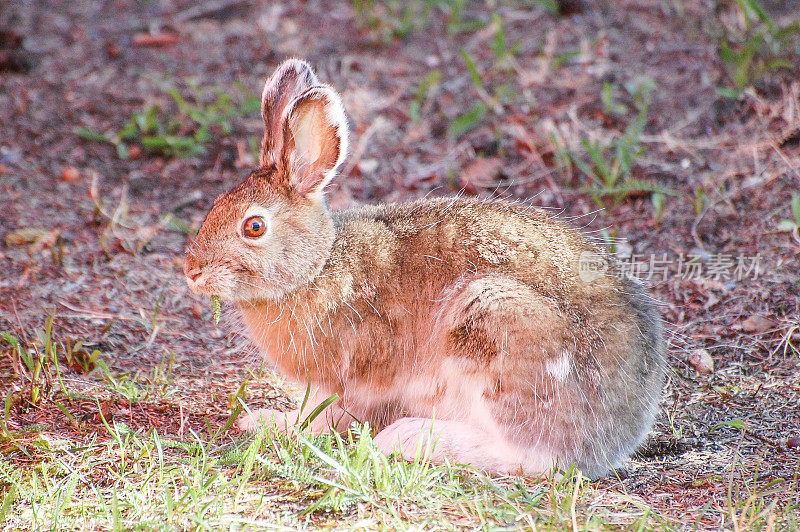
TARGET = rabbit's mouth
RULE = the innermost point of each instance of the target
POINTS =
(229, 286)
(208, 283)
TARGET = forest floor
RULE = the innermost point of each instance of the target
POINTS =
(649, 124)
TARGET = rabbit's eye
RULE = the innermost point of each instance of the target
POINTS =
(254, 227)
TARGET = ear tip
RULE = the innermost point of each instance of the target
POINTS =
(293, 75)
(300, 69)
(299, 65)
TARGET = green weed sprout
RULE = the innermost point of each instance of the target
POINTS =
(216, 307)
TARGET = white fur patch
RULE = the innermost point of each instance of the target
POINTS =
(559, 367)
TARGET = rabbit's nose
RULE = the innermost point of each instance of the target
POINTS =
(191, 267)
(194, 274)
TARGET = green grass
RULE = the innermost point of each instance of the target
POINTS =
(792, 223)
(608, 164)
(183, 128)
(760, 47)
(493, 87)
(397, 19)
(429, 82)
(68, 473)
(699, 200)
(133, 479)
(466, 121)
(129, 478)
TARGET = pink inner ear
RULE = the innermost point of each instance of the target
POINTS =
(316, 143)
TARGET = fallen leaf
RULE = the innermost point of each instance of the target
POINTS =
(112, 49)
(522, 138)
(701, 361)
(481, 172)
(70, 174)
(412, 180)
(26, 235)
(144, 235)
(758, 324)
(417, 132)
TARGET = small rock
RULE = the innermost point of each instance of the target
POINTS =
(367, 166)
(701, 361)
(793, 443)
(70, 174)
(432, 61)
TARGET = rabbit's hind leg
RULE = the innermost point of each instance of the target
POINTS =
(460, 442)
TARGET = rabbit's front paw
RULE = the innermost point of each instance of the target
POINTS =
(252, 422)
(406, 436)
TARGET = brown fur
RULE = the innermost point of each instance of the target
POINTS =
(456, 319)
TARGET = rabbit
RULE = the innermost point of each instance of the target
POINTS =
(465, 326)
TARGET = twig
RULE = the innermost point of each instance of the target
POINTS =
(193, 196)
(19, 322)
(205, 9)
(785, 159)
(696, 222)
(86, 313)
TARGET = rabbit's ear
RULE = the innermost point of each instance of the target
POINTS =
(315, 140)
(289, 81)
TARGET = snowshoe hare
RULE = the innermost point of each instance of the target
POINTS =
(463, 324)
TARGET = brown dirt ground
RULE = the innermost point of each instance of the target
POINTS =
(77, 64)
